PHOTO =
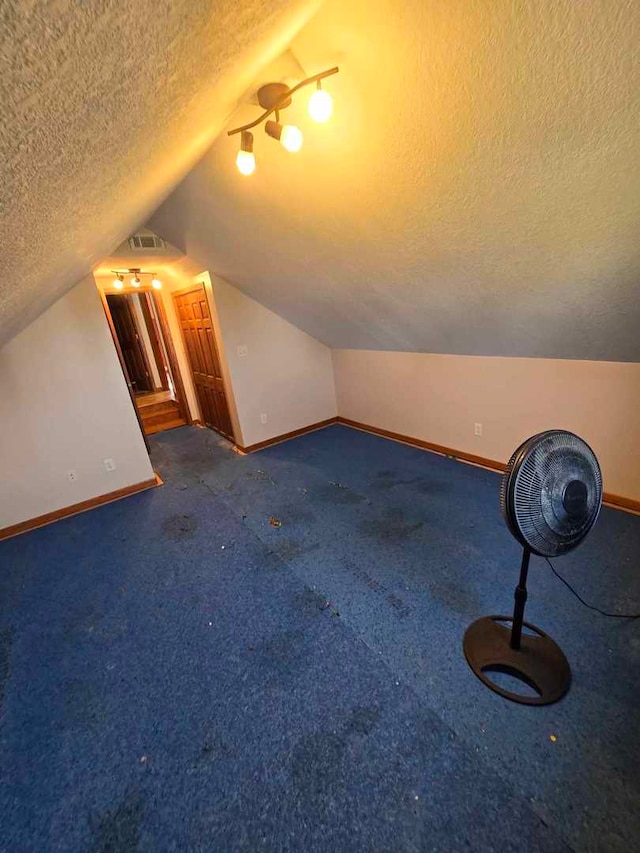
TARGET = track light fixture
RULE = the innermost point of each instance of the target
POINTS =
(136, 281)
(320, 104)
(289, 136)
(274, 97)
(246, 161)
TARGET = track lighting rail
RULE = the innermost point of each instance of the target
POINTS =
(284, 100)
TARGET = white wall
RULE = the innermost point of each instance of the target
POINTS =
(439, 398)
(286, 374)
(64, 406)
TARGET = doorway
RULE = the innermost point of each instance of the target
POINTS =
(144, 346)
(194, 317)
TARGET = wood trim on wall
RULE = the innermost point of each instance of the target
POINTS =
(196, 285)
(483, 461)
(74, 509)
(260, 445)
(611, 500)
(619, 502)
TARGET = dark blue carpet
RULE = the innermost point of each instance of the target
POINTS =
(178, 674)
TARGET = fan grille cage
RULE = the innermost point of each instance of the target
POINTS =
(533, 489)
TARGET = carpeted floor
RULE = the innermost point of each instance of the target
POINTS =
(177, 673)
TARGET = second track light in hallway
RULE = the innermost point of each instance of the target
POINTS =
(135, 280)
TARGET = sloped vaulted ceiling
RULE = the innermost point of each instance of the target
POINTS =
(104, 106)
(478, 190)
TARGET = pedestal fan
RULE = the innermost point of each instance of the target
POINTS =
(550, 497)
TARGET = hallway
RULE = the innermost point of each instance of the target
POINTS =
(159, 410)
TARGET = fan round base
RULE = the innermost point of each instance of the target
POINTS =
(539, 662)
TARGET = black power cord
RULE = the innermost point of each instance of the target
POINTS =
(590, 606)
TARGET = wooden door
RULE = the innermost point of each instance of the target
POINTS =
(197, 330)
(132, 351)
(154, 338)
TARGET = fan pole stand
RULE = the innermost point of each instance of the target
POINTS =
(533, 658)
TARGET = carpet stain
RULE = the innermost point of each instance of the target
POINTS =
(386, 480)
(118, 830)
(336, 493)
(400, 608)
(213, 749)
(83, 620)
(363, 720)
(296, 514)
(427, 486)
(317, 767)
(82, 705)
(454, 595)
(179, 527)
(392, 525)
(310, 600)
(6, 646)
(365, 578)
(260, 476)
(290, 549)
(283, 651)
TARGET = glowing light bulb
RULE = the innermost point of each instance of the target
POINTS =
(118, 283)
(156, 283)
(320, 105)
(246, 162)
(291, 138)
(135, 281)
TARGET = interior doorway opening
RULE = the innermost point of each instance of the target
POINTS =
(143, 342)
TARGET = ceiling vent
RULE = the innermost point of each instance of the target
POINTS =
(146, 241)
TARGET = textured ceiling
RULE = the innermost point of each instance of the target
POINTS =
(105, 105)
(478, 190)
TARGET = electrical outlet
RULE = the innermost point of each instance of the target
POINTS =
(72, 476)
(478, 429)
(109, 465)
(263, 418)
(243, 350)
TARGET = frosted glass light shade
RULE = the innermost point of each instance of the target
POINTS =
(291, 137)
(320, 105)
(246, 162)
